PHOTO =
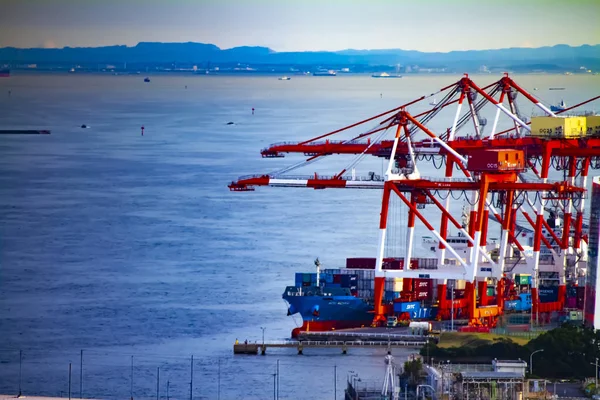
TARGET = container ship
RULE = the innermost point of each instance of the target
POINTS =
(333, 299)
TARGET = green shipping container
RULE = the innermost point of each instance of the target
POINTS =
(490, 291)
(524, 280)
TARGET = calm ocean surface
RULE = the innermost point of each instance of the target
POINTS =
(121, 245)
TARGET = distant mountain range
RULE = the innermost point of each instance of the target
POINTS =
(200, 54)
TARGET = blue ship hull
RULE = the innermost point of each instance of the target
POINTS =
(322, 312)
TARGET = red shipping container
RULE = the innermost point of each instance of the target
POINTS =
(422, 284)
(361, 263)
(392, 264)
(423, 295)
(491, 160)
(388, 263)
(337, 278)
(572, 302)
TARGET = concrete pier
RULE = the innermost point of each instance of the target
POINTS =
(24, 132)
(300, 346)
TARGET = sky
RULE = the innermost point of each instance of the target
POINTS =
(302, 25)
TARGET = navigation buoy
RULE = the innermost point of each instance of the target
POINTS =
(252, 110)
(230, 123)
(142, 131)
(84, 126)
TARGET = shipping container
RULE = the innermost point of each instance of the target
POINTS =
(423, 295)
(424, 313)
(593, 125)
(523, 279)
(559, 127)
(422, 284)
(491, 291)
(572, 302)
(403, 307)
(496, 160)
(548, 293)
(337, 278)
(361, 263)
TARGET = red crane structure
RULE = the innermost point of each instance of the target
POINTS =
(492, 166)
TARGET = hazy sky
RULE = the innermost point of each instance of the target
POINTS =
(290, 25)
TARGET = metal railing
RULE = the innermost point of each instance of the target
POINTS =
(358, 334)
(340, 343)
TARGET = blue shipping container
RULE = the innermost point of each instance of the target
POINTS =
(299, 276)
(548, 293)
(407, 307)
(424, 313)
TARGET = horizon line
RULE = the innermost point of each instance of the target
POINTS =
(294, 51)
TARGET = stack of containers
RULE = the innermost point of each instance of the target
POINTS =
(305, 279)
(423, 289)
(393, 287)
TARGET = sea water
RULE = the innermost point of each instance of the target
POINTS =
(118, 249)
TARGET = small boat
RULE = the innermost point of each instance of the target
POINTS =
(560, 107)
(72, 70)
(285, 78)
(146, 79)
(4, 73)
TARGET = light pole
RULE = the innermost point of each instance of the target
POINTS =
(335, 382)
(263, 337)
(452, 309)
(531, 361)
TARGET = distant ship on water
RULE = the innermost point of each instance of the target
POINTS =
(325, 73)
(560, 107)
(385, 75)
(4, 73)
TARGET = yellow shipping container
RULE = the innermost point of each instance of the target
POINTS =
(558, 127)
(397, 284)
(593, 125)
